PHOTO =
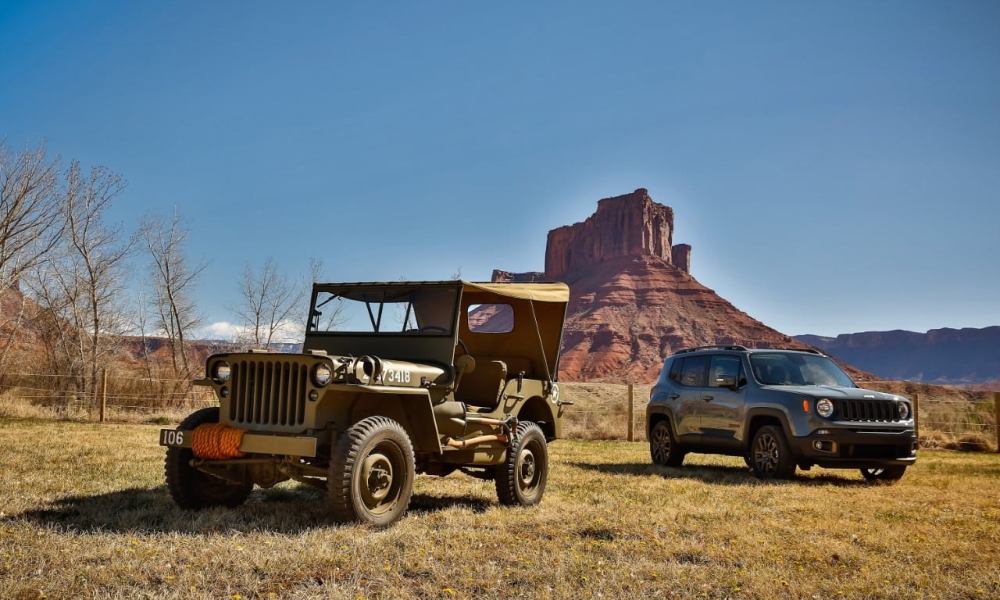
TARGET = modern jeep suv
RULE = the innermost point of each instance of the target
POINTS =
(778, 409)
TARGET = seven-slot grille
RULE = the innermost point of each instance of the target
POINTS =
(869, 410)
(268, 392)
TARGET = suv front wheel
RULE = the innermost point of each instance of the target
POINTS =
(772, 457)
(662, 447)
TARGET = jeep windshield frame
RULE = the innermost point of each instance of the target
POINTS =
(797, 369)
(415, 321)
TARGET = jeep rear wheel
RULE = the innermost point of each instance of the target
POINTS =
(372, 472)
(772, 457)
(884, 475)
(521, 479)
(662, 447)
(192, 489)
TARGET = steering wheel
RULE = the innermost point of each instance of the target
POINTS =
(432, 328)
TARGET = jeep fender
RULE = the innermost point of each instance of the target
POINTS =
(658, 414)
(410, 407)
(771, 414)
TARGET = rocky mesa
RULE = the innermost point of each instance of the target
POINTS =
(633, 298)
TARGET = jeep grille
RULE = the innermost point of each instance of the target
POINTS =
(268, 392)
(869, 410)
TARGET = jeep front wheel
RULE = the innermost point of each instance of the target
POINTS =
(372, 472)
(662, 447)
(772, 457)
(884, 475)
(191, 488)
(521, 479)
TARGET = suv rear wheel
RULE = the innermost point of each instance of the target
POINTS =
(662, 447)
(885, 475)
(772, 457)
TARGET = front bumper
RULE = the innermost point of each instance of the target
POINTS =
(252, 443)
(842, 447)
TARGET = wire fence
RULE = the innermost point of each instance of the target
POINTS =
(951, 418)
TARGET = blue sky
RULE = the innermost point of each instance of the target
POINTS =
(835, 166)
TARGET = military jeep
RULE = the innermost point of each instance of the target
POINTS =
(394, 379)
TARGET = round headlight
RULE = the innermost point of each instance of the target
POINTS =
(322, 374)
(904, 410)
(824, 407)
(222, 371)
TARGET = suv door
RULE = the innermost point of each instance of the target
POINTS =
(690, 378)
(722, 401)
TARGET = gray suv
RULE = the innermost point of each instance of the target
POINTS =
(778, 409)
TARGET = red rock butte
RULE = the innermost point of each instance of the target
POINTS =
(633, 300)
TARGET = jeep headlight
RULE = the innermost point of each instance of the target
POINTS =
(824, 407)
(904, 410)
(322, 374)
(221, 371)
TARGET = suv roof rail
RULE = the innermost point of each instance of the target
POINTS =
(730, 347)
(809, 350)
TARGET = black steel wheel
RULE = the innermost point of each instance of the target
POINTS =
(372, 472)
(192, 489)
(884, 475)
(521, 479)
(772, 457)
(662, 447)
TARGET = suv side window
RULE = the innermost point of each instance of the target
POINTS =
(675, 370)
(723, 371)
(693, 371)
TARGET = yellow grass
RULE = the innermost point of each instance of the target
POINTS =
(84, 514)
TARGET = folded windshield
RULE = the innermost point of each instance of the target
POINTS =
(391, 310)
(797, 369)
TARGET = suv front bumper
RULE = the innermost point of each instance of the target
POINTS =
(838, 448)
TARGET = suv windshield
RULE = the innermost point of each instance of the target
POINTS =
(392, 310)
(779, 368)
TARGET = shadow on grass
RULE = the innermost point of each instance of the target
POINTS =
(278, 510)
(718, 474)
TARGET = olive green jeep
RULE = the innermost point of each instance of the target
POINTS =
(394, 379)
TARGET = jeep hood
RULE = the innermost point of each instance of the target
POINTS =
(828, 391)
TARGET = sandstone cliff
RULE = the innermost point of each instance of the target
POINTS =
(633, 299)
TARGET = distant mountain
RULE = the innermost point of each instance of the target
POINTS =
(940, 356)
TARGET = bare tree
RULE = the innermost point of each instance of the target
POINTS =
(30, 227)
(173, 280)
(97, 253)
(79, 284)
(273, 307)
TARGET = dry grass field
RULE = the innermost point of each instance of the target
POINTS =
(84, 514)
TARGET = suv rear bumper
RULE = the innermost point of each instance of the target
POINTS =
(855, 448)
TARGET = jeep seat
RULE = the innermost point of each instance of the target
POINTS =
(483, 386)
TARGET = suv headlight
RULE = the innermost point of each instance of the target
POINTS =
(322, 374)
(824, 407)
(904, 410)
(221, 371)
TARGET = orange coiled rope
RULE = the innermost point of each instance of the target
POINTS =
(217, 441)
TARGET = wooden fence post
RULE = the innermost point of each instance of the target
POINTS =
(104, 393)
(631, 416)
(996, 409)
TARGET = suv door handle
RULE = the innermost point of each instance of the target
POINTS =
(707, 398)
(674, 396)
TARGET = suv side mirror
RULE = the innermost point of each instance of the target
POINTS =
(726, 381)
